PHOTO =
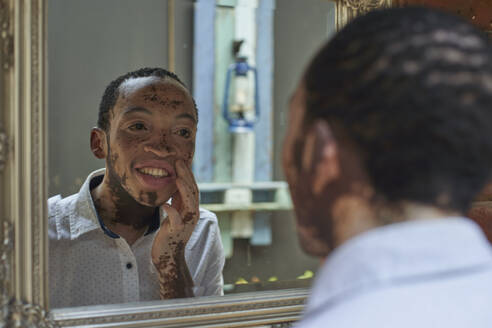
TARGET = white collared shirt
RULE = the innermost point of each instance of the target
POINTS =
(87, 266)
(426, 274)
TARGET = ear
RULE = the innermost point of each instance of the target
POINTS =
(98, 143)
(321, 156)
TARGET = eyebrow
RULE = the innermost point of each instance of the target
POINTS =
(132, 110)
(144, 110)
(188, 116)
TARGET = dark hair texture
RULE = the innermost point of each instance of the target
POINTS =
(111, 93)
(412, 89)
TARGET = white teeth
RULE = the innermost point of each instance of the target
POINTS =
(155, 172)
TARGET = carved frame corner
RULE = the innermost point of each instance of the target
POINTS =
(346, 10)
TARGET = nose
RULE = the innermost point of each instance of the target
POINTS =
(160, 149)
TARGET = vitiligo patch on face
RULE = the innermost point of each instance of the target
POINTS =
(149, 198)
(123, 179)
(152, 197)
(164, 86)
(134, 84)
(166, 102)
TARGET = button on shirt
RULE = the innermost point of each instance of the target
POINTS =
(424, 274)
(90, 265)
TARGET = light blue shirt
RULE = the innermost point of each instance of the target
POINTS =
(418, 274)
(89, 265)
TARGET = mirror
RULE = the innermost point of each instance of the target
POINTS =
(41, 65)
(90, 43)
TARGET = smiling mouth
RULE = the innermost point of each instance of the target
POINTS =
(153, 172)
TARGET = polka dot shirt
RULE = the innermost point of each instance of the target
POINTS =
(89, 266)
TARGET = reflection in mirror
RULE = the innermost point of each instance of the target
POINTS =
(240, 76)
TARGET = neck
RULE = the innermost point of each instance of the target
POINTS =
(120, 212)
(352, 217)
(411, 211)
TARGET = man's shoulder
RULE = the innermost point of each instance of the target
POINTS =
(206, 215)
(206, 230)
(207, 223)
(68, 204)
(59, 211)
(58, 204)
(467, 289)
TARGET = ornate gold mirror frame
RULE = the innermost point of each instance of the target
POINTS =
(346, 10)
(23, 193)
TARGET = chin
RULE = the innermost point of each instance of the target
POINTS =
(149, 203)
(151, 198)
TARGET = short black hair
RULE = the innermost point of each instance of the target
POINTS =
(412, 88)
(111, 93)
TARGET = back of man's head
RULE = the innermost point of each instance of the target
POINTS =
(412, 88)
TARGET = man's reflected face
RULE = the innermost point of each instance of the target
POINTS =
(152, 124)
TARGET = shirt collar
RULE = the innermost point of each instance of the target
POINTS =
(399, 252)
(85, 218)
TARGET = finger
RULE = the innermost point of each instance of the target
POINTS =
(160, 241)
(184, 172)
(186, 184)
(177, 201)
(189, 201)
(174, 219)
(186, 191)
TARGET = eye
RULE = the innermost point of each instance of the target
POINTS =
(185, 133)
(137, 127)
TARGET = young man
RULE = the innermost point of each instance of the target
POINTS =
(134, 232)
(388, 143)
